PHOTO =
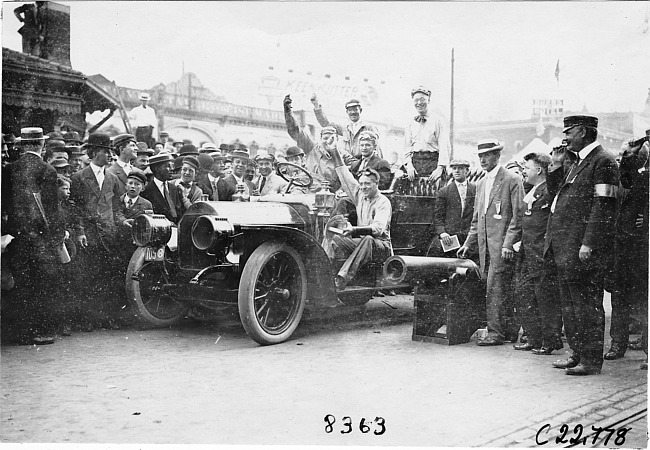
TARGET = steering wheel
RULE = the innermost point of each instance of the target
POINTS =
(284, 169)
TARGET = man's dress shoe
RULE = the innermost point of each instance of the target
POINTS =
(489, 341)
(616, 351)
(524, 347)
(548, 350)
(566, 363)
(583, 369)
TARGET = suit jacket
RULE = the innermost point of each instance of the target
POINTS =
(20, 180)
(275, 184)
(533, 229)
(380, 165)
(231, 187)
(96, 207)
(117, 170)
(205, 186)
(160, 204)
(584, 211)
(449, 217)
(138, 208)
(490, 233)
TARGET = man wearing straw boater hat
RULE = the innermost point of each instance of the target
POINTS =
(160, 191)
(240, 160)
(30, 203)
(496, 226)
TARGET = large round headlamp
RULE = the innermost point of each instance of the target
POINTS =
(209, 231)
(151, 230)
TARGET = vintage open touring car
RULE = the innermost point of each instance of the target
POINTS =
(266, 257)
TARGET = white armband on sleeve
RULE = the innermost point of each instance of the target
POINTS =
(605, 190)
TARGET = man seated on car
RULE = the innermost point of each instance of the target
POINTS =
(370, 239)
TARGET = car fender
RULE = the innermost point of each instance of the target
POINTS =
(320, 281)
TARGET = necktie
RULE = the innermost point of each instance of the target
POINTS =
(462, 191)
(100, 179)
(186, 185)
(262, 183)
(172, 208)
(420, 119)
(129, 204)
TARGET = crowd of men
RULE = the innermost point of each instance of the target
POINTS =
(550, 233)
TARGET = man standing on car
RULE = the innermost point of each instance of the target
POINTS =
(317, 155)
(496, 226)
(352, 131)
(426, 140)
(370, 239)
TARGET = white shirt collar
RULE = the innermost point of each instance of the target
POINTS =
(96, 169)
(133, 200)
(211, 179)
(464, 183)
(122, 164)
(582, 154)
(493, 173)
(238, 179)
(158, 183)
(34, 153)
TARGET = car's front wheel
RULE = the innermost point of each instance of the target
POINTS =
(272, 293)
(144, 280)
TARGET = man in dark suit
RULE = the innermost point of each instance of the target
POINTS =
(126, 150)
(239, 162)
(580, 238)
(96, 193)
(30, 205)
(496, 226)
(454, 209)
(537, 293)
(212, 184)
(630, 293)
(369, 160)
(163, 195)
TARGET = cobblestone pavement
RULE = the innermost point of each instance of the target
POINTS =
(208, 383)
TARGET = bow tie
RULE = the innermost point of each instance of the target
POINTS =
(420, 119)
(186, 185)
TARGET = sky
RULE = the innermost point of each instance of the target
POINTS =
(505, 53)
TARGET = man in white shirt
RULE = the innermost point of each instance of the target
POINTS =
(125, 147)
(426, 140)
(144, 121)
(496, 226)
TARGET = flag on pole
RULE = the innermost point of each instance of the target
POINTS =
(557, 71)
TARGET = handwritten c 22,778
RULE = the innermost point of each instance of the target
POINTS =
(542, 437)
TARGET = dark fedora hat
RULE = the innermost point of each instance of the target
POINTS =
(98, 140)
(72, 137)
(189, 149)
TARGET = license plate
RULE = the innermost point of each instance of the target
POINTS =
(154, 254)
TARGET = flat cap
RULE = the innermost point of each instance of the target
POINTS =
(294, 151)
(327, 130)
(574, 121)
(191, 160)
(121, 139)
(459, 162)
(139, 175)
(351, 103)
(422, 90)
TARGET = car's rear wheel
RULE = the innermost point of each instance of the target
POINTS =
(144, 280)
(272, 293)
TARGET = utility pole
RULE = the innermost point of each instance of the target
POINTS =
(451, 113)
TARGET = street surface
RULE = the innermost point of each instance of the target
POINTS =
(208, 383)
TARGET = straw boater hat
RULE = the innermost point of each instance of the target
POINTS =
(239, 153)
(207, 147)
(488, 145)
(162, 157)
(30, 134)
(145, 96)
